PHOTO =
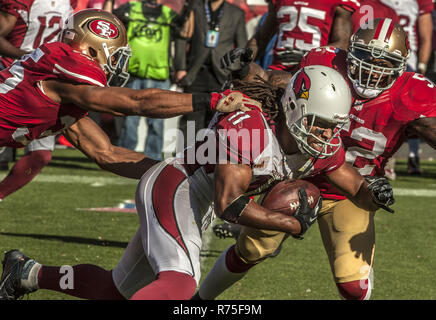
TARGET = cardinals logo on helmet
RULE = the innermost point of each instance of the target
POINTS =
(103, 28)
(301, 86)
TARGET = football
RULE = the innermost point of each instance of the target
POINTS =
(283, 197)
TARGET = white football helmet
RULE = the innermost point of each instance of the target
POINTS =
(314, 94)
(101, 36)
(377, 56)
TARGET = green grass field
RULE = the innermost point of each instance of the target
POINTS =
(44, 221)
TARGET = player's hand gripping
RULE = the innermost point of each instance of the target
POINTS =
(305, 214)
(381, 192)
(238, 62)
(236, 101)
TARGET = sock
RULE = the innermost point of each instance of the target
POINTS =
(169, 285)
(89, 282)
(227, 270)
(24, 171)
(355, 290)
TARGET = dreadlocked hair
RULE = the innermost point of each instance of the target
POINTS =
(263, 92)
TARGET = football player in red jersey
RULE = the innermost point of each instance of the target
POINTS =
(415, 18)
(244, 153)
(388, 105)
(52, 88)
(302, 26)
(25, 25)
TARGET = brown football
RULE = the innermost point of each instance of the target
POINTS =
(283, 197)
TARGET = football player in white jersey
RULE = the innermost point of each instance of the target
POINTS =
(175, 197)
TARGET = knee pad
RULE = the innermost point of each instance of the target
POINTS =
(355, 290)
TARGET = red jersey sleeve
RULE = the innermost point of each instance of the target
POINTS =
(414, 98)
(425, 6)
(72, 66)
(11, 7)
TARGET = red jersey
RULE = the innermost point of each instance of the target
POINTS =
(26, 112)
(377, 126)
(408, 12)
(249, 138)
(38, 22)
(305, 25)
(372, 9)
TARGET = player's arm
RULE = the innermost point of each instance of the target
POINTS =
(89, 138)
(425, 128)
(342, 29)
(369, 195)
(425, 32)
(264, 34)
(152, 103)
(7, 23)
(231, 182)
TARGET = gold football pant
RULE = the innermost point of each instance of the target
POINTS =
(347, 233)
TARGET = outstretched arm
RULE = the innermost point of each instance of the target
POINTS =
(89, 138)
(152, 103)
(231, 182)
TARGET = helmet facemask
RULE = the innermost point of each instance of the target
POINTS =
(373, 69)
(116, 67)
(306, 135)
(377, 56)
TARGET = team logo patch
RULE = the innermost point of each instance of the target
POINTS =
(301, 86)
(103, 28)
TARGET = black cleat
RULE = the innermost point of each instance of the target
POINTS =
(16, 266)
(227, 230)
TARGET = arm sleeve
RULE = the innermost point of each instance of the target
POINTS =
(12, 7)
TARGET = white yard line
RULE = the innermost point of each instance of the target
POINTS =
(94, 181)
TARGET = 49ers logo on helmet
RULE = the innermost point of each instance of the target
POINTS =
(103, 28)
(301, 86)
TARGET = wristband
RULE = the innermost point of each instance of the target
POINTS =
(235, 209)
(201, 101)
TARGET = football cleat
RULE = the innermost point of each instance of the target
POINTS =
(16, 267)
(227, 230)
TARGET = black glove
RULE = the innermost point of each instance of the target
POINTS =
(305, 214)
(238, 62)
(381, 192)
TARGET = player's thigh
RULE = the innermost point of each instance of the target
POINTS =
(254, 245)
(46, 143)
(133, 271)
(348, 236)
(170, 221)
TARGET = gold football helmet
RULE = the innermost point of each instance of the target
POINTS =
(377, 56)
(101, 36)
